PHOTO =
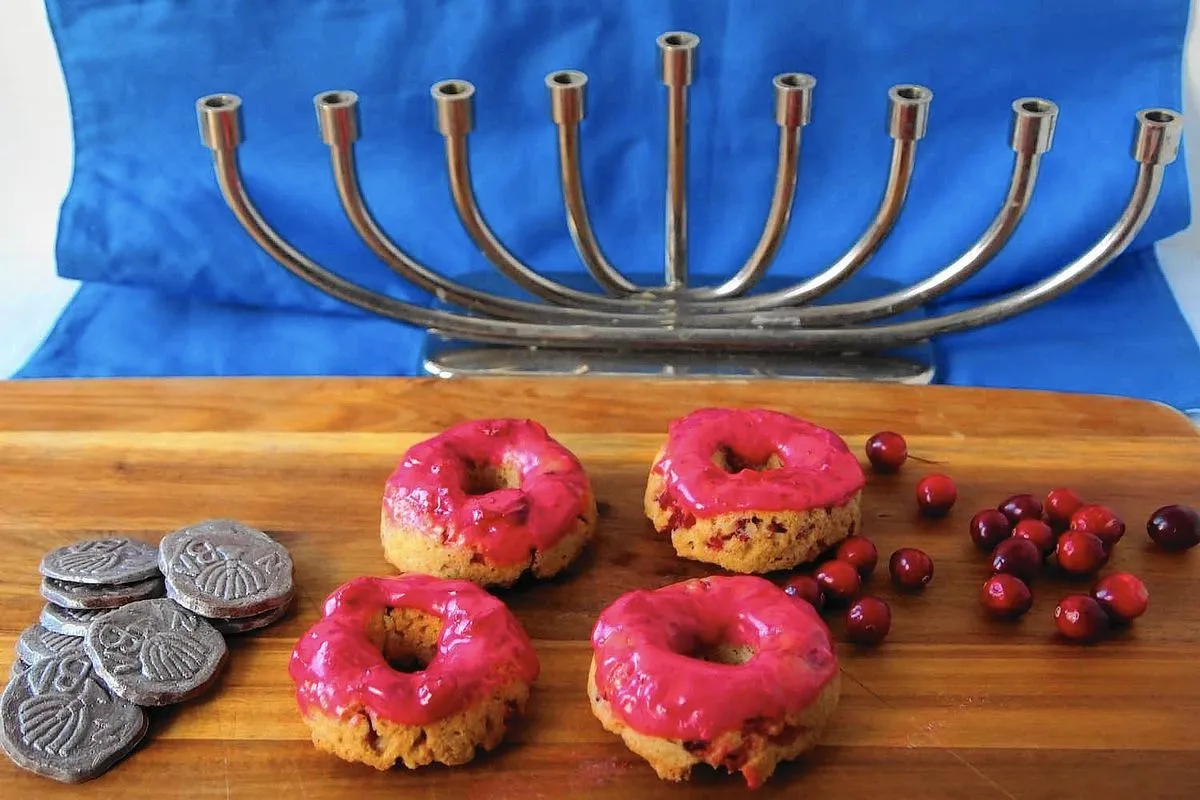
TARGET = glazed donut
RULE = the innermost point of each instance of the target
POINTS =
(726, 671)
(486, 501)
(411, 668)
(753, 490)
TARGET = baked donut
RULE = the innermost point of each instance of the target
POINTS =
(726, 671)
(411, 668)
(753, 490)
(486, 501)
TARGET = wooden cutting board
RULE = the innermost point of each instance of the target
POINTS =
(951, 705)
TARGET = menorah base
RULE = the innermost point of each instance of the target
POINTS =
(913, 365)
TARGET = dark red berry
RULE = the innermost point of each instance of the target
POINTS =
(1174, 527)
(910, 568)
(1080, 618)
(887, 451)
(806, 588)
(989, 528)
(1080, 553)
(1005, 596)
(936, 495)
(1100, 521)
(1019, 557)
(838, 580)
(1122, 595)
(1021, 506)
(858, 552)
(1037, 532)
(868, 621)
(1060, 505)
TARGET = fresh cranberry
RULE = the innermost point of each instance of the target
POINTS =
(1100, 521)
(910, 568)
(887, 451)
(1021, 506)
(1080, 618)
(989, 528)
(936, 495)
(860, 553)
(1019, 557)
(1080, 553)
(1060, 505)
(806, 588)
(1037, 532)
(868, 621)
(1122, 595)
(1174, 527)
(1005, 596)
(838, 580)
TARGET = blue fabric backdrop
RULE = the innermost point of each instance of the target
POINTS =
(143, 210)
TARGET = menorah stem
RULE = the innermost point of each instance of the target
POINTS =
(793, 110)
(1031, 136)
(677, 56)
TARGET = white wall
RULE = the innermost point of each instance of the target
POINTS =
(35, 162)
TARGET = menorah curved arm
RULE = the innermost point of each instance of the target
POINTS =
(337, 116)
(1032, 135)
(1156, 144)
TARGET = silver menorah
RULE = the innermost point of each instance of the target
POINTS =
(676, 328)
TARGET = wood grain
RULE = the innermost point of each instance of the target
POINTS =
(952, 705)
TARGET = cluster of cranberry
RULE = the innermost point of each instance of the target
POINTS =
(1022, 535)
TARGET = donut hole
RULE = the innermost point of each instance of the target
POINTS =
(487, 478)
(721, 653)
(408, 638)
(734, 462)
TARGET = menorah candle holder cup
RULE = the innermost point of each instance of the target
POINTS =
(617, 326)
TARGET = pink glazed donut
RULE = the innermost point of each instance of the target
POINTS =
(753, 490)
(727, 671)
(412, 668)
(487, 501)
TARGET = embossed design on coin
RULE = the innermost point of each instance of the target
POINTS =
(59, 721)
(102, 561)
(87, 596)
(222, 568)
(37, 643)
(17, 669)
(71, 621)
(155, 652)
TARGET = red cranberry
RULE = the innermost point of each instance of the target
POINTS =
(1037, 532)
(838, 580)
(1100, 521)
(989, 528)
(1019, 557)
(887, 451)
(1060, 505)
(1080, 618)
(1021, 506)
(868, 621)
(910, 568)
(936, 495)
(1122, 595)
(1080, 553)
(1174, 527)
(1005, 596)
(858, 552)
(806, 588)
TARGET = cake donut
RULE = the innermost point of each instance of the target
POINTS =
(726, 671)
(753, 490)
(412, 668)
(486, 501)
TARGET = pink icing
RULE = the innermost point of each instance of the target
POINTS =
(339, 670)
(643, 671)
(428, 490)
(817, 468)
